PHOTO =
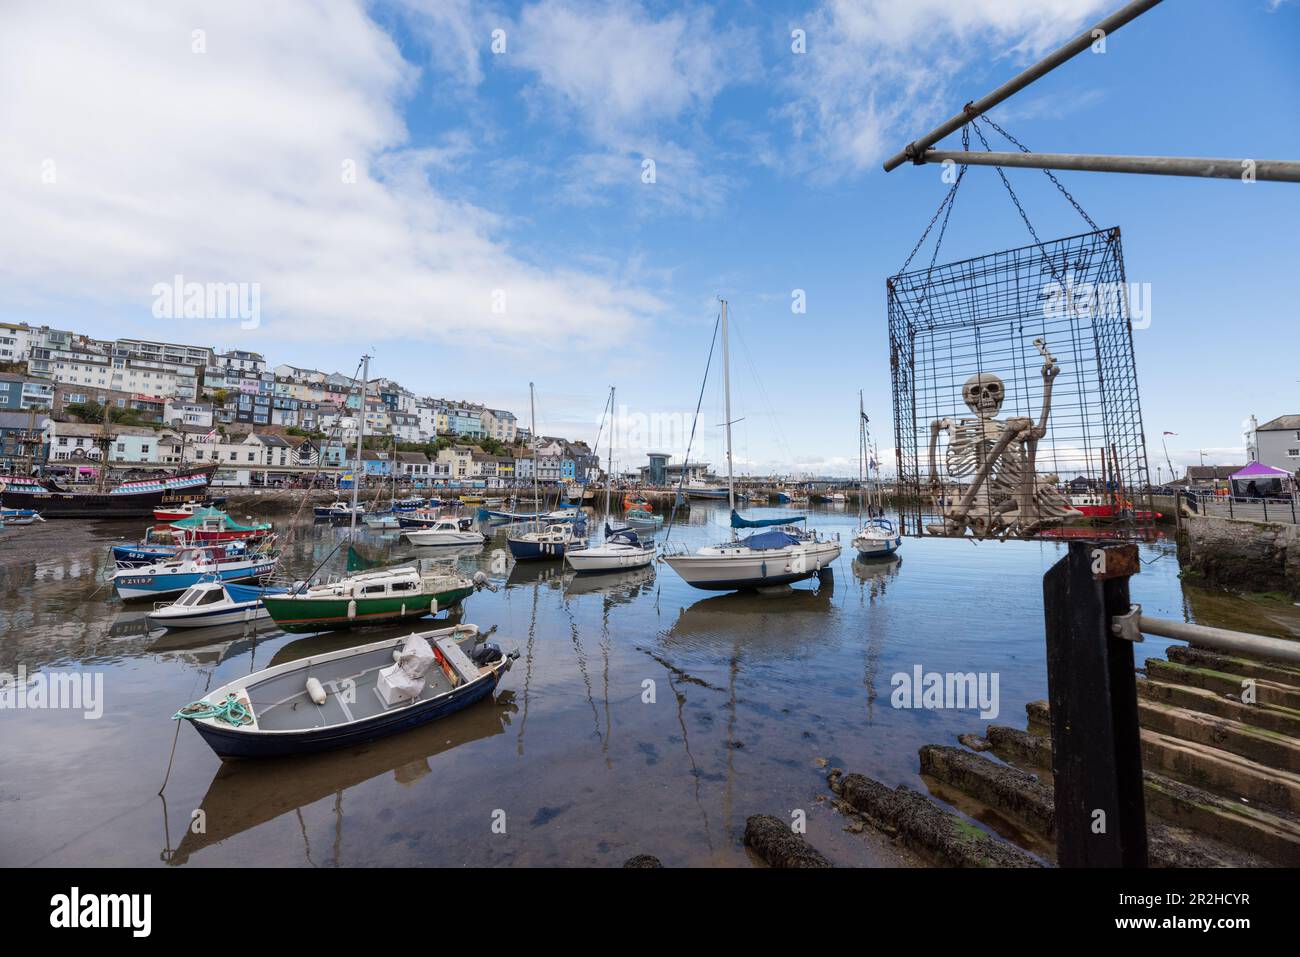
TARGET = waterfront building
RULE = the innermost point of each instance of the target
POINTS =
(1277, 443)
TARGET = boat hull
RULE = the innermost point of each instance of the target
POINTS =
(236, 744)
(230, 615)
(177, 490)
(597, 559)
(526, 551)
(419, 536)
(321, 614)
(749, 572)
(135, 587)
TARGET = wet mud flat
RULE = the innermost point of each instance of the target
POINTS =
(643, 717)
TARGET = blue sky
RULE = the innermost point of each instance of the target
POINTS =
(520, 173)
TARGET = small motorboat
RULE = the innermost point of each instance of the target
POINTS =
(176, 513)
(642, 518)
(547, 543)
(19, 516)
(877, 538)
(348, 697)
(382, 520)
(213, 602)
(622, 550)
(337, 511)
(447, 531)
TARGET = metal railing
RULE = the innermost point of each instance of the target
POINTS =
(1245, 508)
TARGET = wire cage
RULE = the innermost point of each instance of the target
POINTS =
(972, 350)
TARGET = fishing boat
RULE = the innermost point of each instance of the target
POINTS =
(371, 598)
(210, 603)
(214, 525)
(472, 499)
(772, 558)
(19, 516)
(134, 499)
(175, 513)
(447, 531)
(347, 697)
(876, 536)
(642, 518)
(339, 511)
(546, 543)
(189, 566)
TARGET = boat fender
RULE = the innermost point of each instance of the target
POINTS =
(315, 691)
(433, 607)
(352, 608)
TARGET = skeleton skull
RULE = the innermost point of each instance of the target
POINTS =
(983, 393)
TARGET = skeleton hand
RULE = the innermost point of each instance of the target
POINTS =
(1050, 369)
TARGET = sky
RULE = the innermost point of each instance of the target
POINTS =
(484, 195)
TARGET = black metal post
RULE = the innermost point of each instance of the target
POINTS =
(1092, 691)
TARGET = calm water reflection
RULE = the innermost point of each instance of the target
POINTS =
(751, 695)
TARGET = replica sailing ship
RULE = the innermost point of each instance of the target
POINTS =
(134, 499)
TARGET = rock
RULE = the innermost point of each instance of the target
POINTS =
(642, 860)
(773, 841)
(974, 742)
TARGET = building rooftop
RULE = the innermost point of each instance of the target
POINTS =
(1283, 423)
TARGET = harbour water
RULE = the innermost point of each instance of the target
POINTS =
(642, 717)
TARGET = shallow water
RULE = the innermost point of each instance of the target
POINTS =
(753, 696)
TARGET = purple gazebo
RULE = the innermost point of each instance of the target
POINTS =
(1259, 480)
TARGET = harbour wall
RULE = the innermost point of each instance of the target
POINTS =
(1243, 556)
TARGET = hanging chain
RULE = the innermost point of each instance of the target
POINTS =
(1019, 208)
(1050, 175)
(946, 204)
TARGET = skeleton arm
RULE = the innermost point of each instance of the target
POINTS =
(937, 426)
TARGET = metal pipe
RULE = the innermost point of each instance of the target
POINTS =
(1040, 69)
(1221, 639)
(1281, 171)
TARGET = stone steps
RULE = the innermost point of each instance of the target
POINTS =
(1272, 834)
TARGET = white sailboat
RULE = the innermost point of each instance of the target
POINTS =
(546, 542)
(876, 536)
(622, 549)
(776, 556)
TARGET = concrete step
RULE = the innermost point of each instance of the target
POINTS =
(1271, 834)
(1268, 717)
(1220, 772)
(1221, 682)
(1194, 657)
(1269, 748)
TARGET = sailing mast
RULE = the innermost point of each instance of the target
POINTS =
(609, 470)
(532, 420)
(361, 437)
(862, 454)
(726, 385)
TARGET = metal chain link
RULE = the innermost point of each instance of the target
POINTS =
(1050, 175)
(946, 204)
(1016, 199)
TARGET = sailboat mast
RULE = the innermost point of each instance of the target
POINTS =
(361, 437)
(862, 454)
(532, 421)
(609, 471)
(726, 385)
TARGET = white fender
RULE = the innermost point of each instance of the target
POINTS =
(433, 607)
(315, 691)
(352, 608)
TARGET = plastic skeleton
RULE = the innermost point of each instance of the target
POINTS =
(995, 461)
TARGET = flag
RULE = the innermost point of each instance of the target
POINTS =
(871, 464)
(211, 436)
(1171, 433)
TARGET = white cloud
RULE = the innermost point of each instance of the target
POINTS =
(878, 73)
(227, 165)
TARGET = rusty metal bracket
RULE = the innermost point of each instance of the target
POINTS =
(1127, 625)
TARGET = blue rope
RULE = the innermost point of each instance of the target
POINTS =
(229, 711)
